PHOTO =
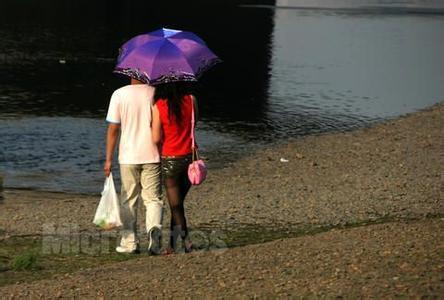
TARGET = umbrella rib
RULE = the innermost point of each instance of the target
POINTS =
(183, 56)
(178, 50)
(157, 53)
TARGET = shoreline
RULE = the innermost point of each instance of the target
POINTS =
(215, 158)
(265, 147)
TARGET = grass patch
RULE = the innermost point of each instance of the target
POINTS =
(28, 258)
(25, 261)
(257, 234)
(34, 262)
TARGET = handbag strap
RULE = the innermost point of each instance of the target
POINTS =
(193, 141)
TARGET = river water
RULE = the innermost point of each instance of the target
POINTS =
(293, 69)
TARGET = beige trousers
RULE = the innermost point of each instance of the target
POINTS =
(139, 181)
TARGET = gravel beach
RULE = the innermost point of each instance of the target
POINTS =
(391, 173)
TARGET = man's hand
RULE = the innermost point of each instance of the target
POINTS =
(107, 168)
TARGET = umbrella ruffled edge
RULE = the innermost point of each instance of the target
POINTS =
(133, 73)
(207, 65)
(171, 77)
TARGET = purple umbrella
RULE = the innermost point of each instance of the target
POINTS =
(165, 55)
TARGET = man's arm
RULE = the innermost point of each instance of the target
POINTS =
(111, 141)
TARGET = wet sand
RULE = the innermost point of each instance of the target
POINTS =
(393, 171)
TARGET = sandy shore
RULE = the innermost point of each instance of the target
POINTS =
(393, 170)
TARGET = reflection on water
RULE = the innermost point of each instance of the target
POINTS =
(422, 6)
(51, 153)
(286, 73)
(344, 66)
(66, 153)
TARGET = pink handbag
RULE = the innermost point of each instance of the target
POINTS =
(197, 171)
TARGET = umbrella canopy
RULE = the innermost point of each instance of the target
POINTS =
(165, 55)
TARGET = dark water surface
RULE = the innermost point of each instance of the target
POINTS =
(288, 71)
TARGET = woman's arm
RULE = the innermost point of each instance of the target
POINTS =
(196, 108)
(156, 130)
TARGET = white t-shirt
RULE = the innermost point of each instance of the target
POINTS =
(130, 106)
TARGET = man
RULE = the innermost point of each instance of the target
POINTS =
(129, 114)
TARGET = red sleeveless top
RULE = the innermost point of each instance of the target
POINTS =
(176, 136)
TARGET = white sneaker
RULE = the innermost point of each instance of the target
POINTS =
(155, 236)
(121, 249)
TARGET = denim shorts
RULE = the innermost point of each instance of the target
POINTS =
(175, 166)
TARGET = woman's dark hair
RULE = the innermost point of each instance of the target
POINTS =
(174, 92)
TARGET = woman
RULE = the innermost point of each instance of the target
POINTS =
(171, 129)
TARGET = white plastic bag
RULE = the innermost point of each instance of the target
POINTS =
(108, 211)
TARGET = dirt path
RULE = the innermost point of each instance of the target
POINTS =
(377, 261)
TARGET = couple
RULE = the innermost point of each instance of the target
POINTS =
(155, 147)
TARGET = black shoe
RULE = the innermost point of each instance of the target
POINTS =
(187, 245)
